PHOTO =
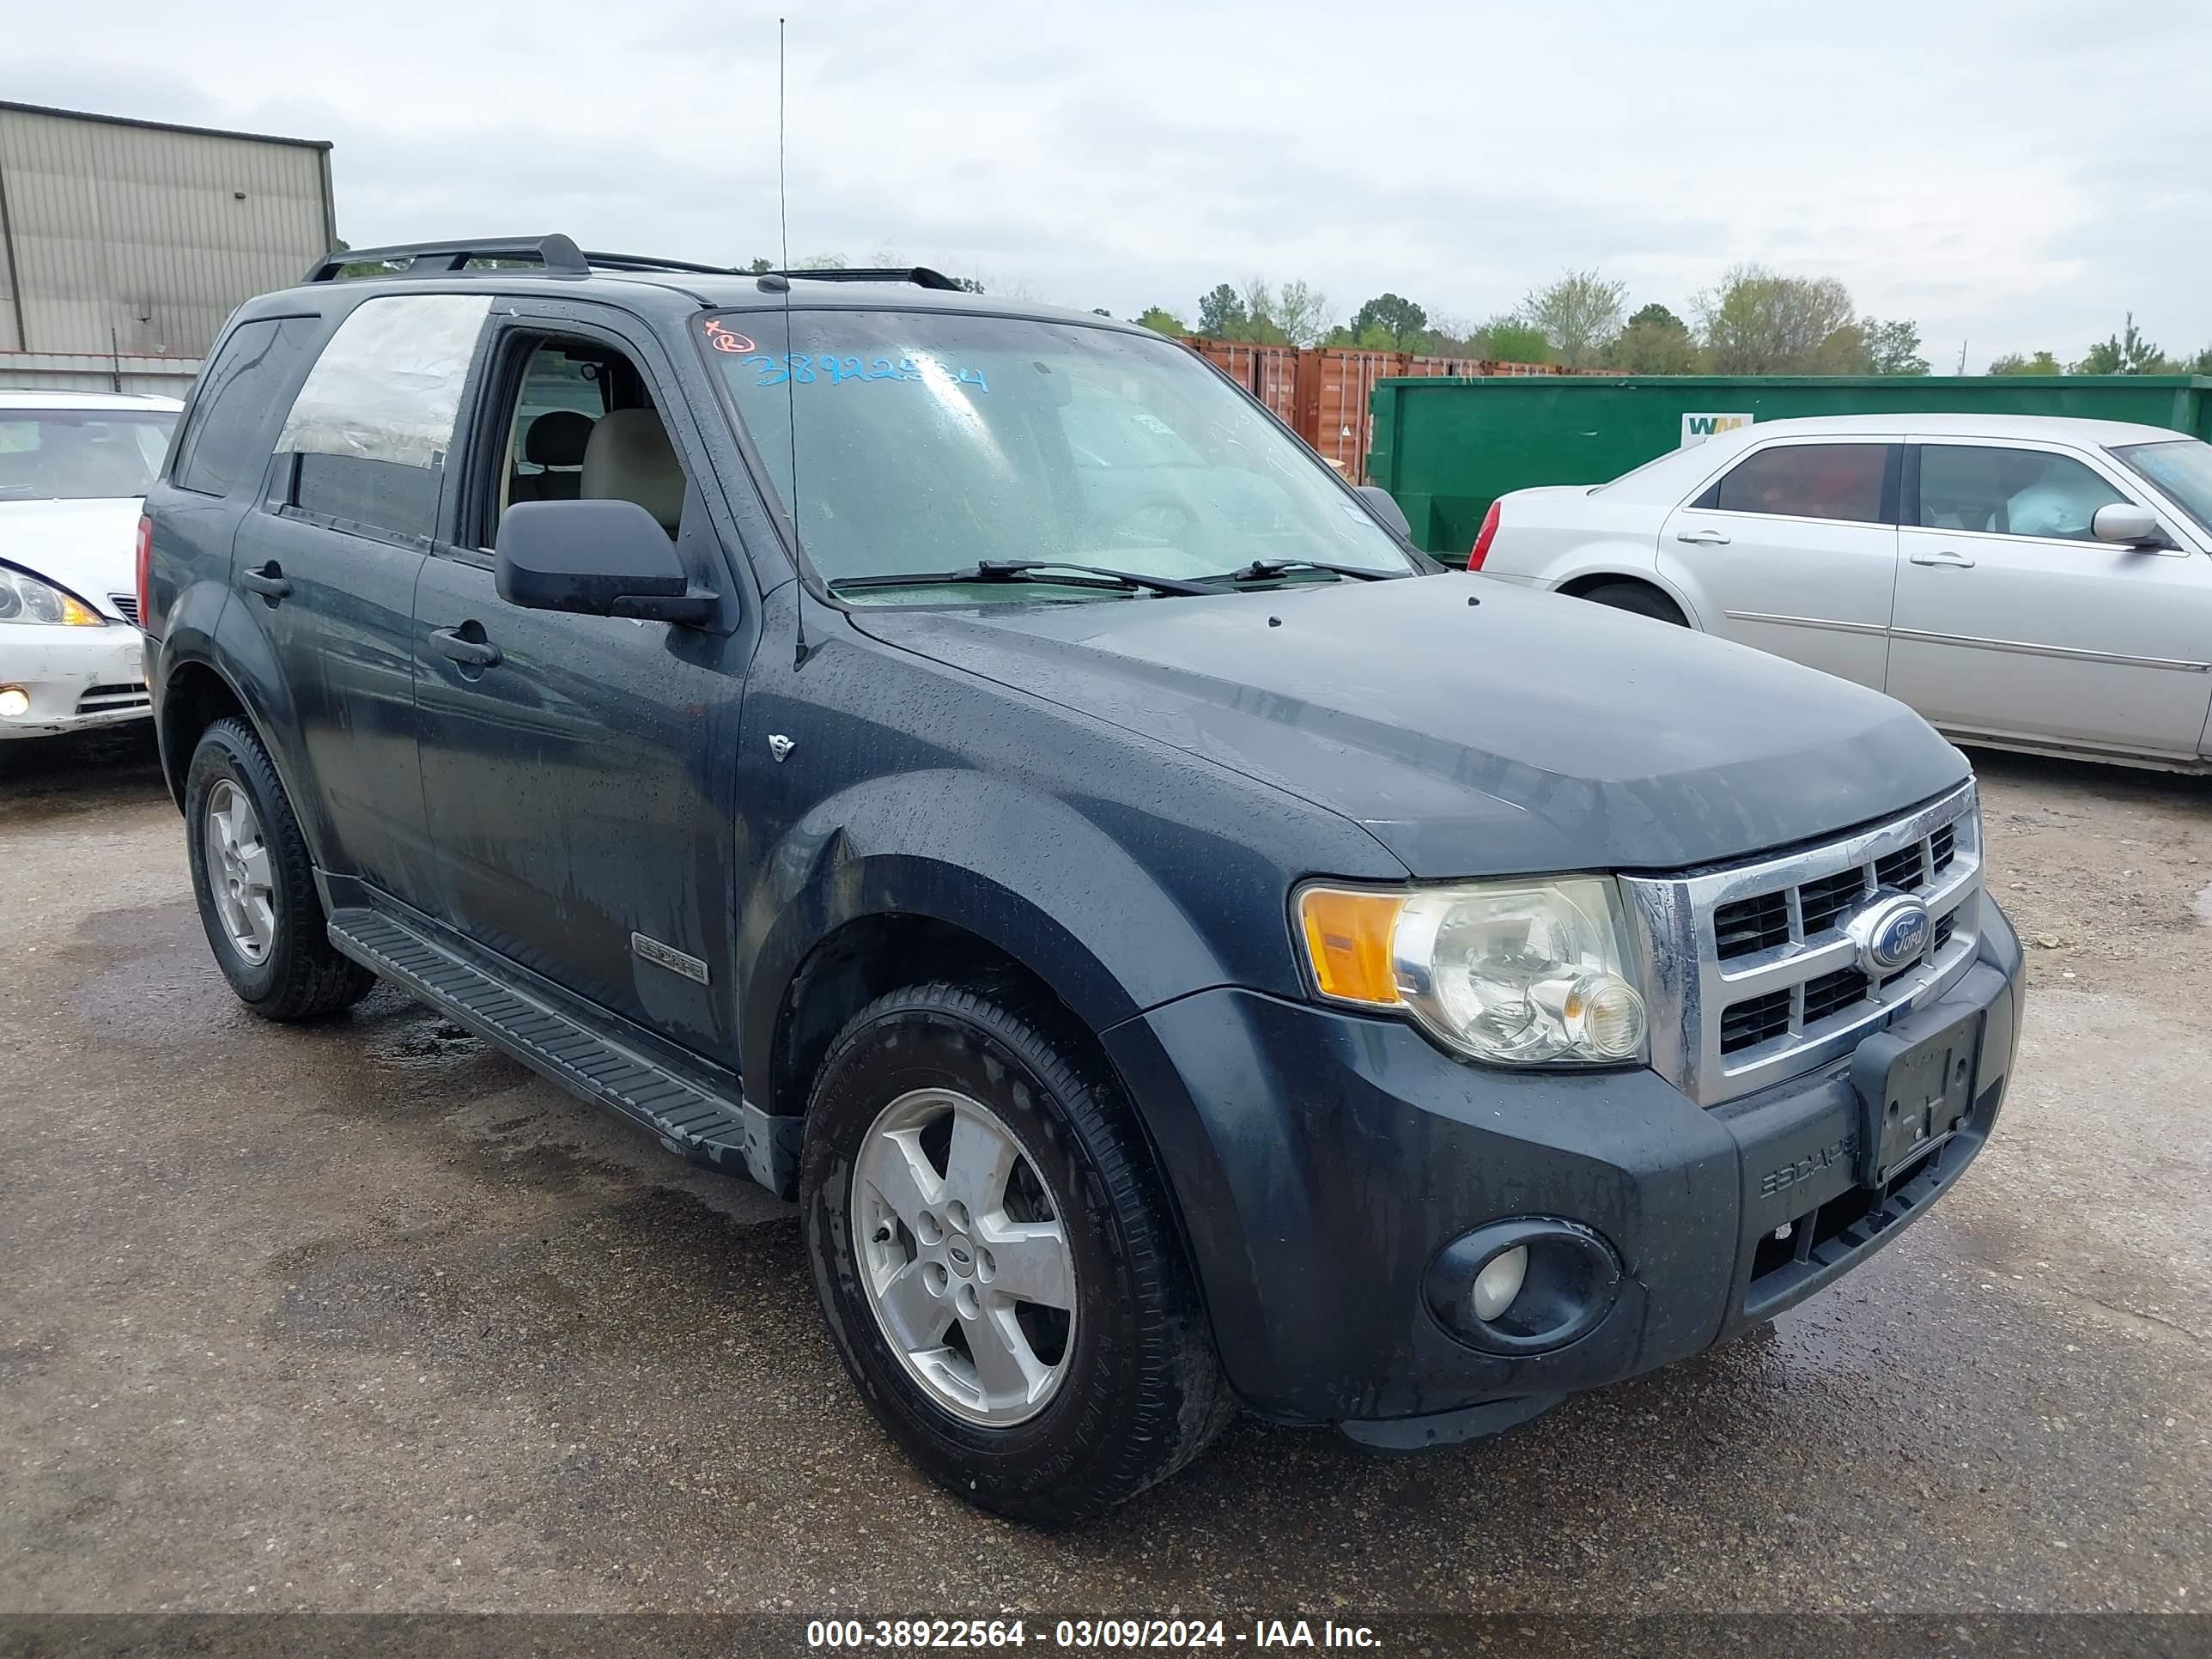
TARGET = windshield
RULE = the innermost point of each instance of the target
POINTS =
(2182, 470)
(76, 454)
(928, 442)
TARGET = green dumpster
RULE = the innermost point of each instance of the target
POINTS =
(1446, 448)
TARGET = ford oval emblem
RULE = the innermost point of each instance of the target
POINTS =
(1890, 932)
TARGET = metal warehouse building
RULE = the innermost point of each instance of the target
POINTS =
(124, 244)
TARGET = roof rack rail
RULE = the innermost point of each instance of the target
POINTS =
(558, 254)
(598, 261)
(920, 276)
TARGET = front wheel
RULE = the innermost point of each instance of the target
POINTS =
(991, 1250)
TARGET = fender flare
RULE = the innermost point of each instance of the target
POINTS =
(1617, 561)
(1035, 880)
(204, 633)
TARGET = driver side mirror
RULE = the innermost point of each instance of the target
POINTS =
(595, 558)
(1384, 507)
(2130, 527)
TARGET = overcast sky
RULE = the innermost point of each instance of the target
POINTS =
(2014, 173)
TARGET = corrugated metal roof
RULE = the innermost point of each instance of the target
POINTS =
(162, 126)
(138, 237)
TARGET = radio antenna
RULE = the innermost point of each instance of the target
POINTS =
(782, 201)
(790, 394)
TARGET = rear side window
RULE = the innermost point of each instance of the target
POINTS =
(1807, 481)
(2009, 492)
(225, 443)
(373, 423)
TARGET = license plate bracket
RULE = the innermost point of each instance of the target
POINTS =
(1915, 1084)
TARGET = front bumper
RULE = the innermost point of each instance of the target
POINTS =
(1320, 1161)
(75, 678)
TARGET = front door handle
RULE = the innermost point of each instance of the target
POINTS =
(1956, 560)
(469, 653)
(1702, 538)
(269, 581)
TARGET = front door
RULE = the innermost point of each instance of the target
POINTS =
(576, 771)
(1794, 550)
(2013, 621)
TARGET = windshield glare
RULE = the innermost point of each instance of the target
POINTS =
(72, 454)
(2182, 470)
(927, 442)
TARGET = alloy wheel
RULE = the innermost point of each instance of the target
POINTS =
(237, 871)
(964, 1257)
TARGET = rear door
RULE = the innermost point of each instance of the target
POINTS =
(324, 567)
(1793, 550)
(2013, 621)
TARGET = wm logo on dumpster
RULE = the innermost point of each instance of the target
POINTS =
(1696, 428)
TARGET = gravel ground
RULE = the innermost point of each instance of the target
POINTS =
(367, 1317)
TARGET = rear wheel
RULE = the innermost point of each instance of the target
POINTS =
(1640, 598)
(255, 882)
(991, 1250)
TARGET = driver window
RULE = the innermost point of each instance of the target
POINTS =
(2010, 492)
(581, 426)
(563, 395)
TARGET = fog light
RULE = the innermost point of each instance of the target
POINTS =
(1499, 1282)
(1526, 1285)
(15, 702)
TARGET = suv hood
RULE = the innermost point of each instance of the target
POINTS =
(1524, 733)
(89, 547)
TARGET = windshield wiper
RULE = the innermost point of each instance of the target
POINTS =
(1023, 570)
(1268, 570)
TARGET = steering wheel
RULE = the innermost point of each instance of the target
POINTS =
(1173, 517)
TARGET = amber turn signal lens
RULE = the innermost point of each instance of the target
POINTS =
(1348, 941)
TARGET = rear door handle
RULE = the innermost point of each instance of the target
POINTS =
(1957, 561)
(1702, 538)
(269, 581)
(469, 653)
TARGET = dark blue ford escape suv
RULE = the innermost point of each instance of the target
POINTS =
(966, 765)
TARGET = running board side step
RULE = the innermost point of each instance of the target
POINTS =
(688, 1121)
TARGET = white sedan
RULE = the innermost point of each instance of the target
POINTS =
(73, 465)
(2024, 582)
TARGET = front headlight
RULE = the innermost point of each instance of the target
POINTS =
(25, 599)
(1517, 973)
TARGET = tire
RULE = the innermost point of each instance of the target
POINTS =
(295, 974)
(1636, 596)
(1138, 1390)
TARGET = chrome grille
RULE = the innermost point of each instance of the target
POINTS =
(1821, 903)
(1906, 869)
(1752, 977)
(1830, 994)
(1746, 1024)
(1750, 925)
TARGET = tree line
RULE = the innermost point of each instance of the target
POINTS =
(1754, 321)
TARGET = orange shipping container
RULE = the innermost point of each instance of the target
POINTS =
(1324, 394)
(1333, 389)
(1269, 372)
(1429, 366)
